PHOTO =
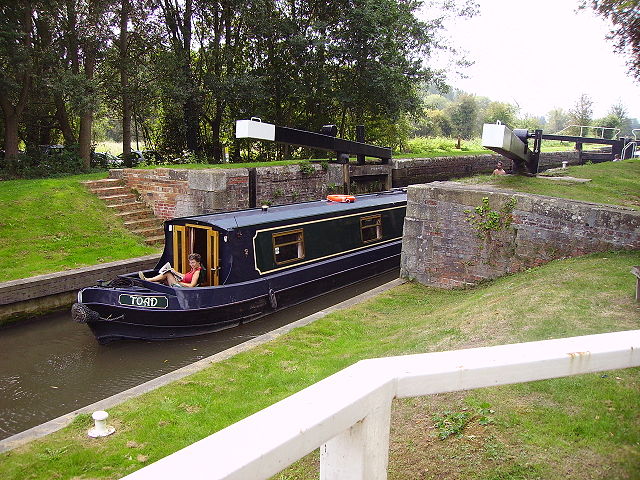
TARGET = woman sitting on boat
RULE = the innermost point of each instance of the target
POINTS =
(190, 279)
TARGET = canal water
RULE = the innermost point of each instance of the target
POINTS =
(51, 365)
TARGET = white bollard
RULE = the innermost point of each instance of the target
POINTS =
(564, 164)
(100, 429)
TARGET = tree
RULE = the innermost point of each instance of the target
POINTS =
(625, 16)
(84, 31)
(178, 20)
(504, 112)
(463, 115)
(557, 120)
(581, 112)
(434, 123)
(530, 122)
(123, 50)
(377, 50)
(17, 57)
(615, 122)
(620, 113)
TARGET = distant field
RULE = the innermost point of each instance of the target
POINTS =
(115, 148)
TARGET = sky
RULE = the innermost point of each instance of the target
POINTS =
(540, 55)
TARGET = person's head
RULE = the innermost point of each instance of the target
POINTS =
(195, 260)
(499, 165)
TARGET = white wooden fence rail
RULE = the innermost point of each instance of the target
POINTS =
(347, 414)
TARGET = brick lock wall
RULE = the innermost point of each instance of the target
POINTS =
(180, 192)
(441, 248)
(287, 184)
(159, 188)
(409, 171)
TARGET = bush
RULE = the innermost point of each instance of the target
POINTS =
(47, 163)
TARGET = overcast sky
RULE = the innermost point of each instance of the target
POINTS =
(542, 54)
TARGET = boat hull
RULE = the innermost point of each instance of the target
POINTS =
(205, 310)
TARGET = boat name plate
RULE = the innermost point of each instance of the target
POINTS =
(146, 301)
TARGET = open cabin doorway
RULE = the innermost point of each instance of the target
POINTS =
(200, 239)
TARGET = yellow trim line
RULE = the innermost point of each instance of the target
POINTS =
(317, 221)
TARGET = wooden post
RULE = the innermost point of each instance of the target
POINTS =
(346, 179)
(636, 272)
(362, 451)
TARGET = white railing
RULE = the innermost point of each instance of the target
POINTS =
(585, 128)
(347, 414)
(631, 145)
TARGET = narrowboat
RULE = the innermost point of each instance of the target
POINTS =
(256, 261)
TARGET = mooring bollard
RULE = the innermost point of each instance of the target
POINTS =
(564, 164)
(100, 429)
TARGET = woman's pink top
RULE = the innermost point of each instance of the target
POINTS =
(189, 276)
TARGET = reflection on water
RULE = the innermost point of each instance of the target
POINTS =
(50, 365)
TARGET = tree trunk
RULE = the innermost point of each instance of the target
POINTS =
(13, 113)
(10, 137)
(62, 118)
(190, 107)
(124, 79)
(86, 117)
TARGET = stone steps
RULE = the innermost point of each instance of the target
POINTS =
(154, 240)
(111, 191)
(105, 182)
(129, 207)
(138, 223)
(119, 198)
(134, 213)
(136, 216)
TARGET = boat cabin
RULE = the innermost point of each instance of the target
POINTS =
(249, 244)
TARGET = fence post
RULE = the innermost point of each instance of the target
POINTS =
(362, 451)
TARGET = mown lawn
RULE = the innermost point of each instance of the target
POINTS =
(49, 225)
(573, 428)
(613, 183)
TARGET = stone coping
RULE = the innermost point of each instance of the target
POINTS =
(39, 286)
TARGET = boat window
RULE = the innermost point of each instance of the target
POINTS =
(371, 228)
(288, 246)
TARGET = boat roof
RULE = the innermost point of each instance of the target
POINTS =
(283, 213)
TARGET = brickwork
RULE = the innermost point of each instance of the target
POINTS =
(180, 192)
(410, 171)
(183, 192)
(442, 248)
(290, 184)
(34, 295)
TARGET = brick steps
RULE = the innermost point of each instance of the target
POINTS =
(136, 216)
(153, 240)
(119, 198)
(105, 182)
(111, 191)
(141, 223)
(129, 207)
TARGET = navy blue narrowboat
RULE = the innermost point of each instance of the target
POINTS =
(256, 261)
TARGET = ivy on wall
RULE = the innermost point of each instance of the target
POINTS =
(486, 221)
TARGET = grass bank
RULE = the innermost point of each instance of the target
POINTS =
(613, 183)
(49, 225)
(573, 428)
(55, 224)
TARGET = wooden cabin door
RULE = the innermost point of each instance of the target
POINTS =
(199, 239)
